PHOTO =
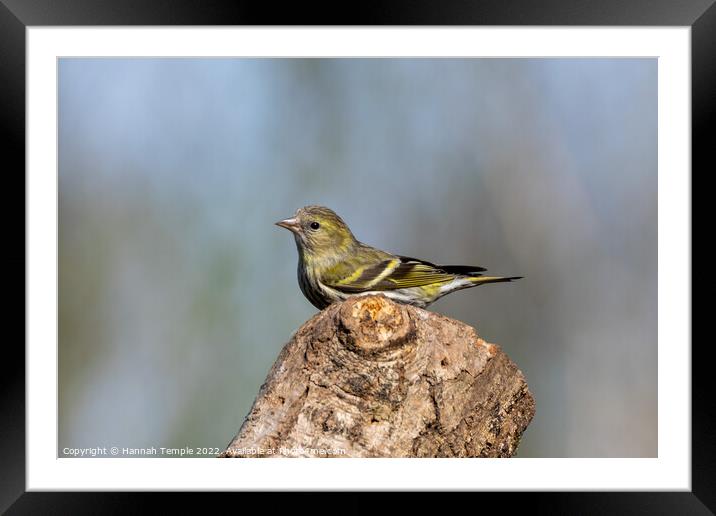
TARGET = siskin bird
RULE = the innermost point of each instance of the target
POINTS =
(333, 265)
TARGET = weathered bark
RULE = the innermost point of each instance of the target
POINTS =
(372, 378)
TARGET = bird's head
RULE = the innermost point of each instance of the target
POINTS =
(319, 232)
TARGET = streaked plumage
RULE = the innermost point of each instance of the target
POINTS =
(333, 265)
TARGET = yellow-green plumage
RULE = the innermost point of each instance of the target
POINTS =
(333, 265)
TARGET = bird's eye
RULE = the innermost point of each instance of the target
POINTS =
(315, 225)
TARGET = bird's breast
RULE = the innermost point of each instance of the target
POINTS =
(311, 287)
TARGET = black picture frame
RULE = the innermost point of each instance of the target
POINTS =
(17, 15)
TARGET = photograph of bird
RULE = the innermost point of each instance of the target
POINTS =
(333, 265)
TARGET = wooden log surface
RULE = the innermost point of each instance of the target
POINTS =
(372, 378)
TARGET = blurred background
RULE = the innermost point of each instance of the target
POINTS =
(177, 292)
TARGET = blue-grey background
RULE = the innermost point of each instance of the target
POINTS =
(176, 292)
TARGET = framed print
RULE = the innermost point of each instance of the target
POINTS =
(170, 324)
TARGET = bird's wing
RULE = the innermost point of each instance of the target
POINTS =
(395, 272)
(467, 270)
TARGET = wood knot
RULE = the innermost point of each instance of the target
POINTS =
(374, 323)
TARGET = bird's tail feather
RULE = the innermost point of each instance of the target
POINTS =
(479, 280)
(462, 269)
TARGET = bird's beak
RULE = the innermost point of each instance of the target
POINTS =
(290, 224)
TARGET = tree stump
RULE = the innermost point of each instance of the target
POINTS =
(372, 378)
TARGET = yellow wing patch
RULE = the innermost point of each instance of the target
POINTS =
(348, 280)
(413, 274)
(393, 274)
